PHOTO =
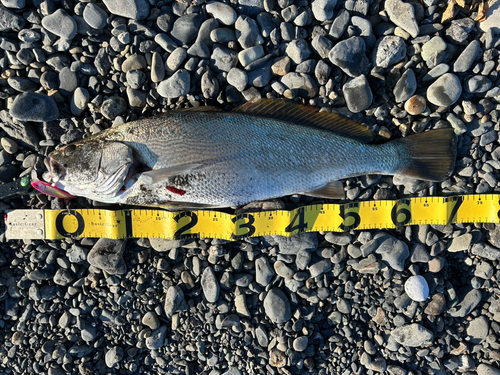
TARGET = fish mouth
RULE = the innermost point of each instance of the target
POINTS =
(55, 170)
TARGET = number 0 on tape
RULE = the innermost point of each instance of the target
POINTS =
(136, 223)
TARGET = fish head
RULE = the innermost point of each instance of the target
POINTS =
(91, 168)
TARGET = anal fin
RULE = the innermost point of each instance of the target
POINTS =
(332, 190)
(157, 175)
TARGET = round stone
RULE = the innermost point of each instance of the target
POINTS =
(477, 84)
(300, 343)
(10, 146)
(323, 9)
(222, 12)
(31, 106)
(445, 91)
(388, 51)
(277, 306)
(358, 94)
(61, 24)
(350, 56)
(135, 9)
(415, 105)
(433, 48)
(416, 288)
(113, 107)
(94, 16)
(175, 86)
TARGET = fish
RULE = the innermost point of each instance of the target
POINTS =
(206, 158)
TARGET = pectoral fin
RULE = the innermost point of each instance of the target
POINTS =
(332, 190)
(157, 175)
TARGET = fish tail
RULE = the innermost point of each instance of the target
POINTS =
(428, 156)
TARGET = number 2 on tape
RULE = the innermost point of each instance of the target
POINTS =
(179, 234)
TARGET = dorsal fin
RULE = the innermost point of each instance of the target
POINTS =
(196, 109)
(306, 116)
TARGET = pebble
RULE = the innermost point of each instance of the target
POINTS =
(34, 107)
(175, 86)
(174, 301)
(388, 51)
(134, 62)
(465, 60)
(113, 356)
(415, 105)
(10, 146)
(393, 251)
(412, 335)
(436, 306)
(113, 107)
(298, 50)
(10, 20)
(22, 84)
(445, 91)
(107, 255)
(339, 24)
(79, 101)
(95, 16)
(301, 83)
(468, 300)
(263, 271)
(151, 320)
(251, 54)
(222, 12)
(478, 329)
(460, 243)
(320, 267)
(157, 338)
(300, 343)
(277, 307)
(61, 24)
(350, 56)
(185, 28)
(247, 32)
(477, 84)
(403, 15)
(238, 78)
(210, 285)
(176, 59)
(323, 9)
(416, 288)
(223, 59)
(405, 87)
(134, 9)
(491, 23)
(157, 68)
(358, 94)
(433, 49)
(484, 369)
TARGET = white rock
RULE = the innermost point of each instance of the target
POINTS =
(222, 12)
(417, 288)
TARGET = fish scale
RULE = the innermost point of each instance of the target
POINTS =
(263, 150)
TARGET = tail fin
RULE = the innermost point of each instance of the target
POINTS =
(431, 155)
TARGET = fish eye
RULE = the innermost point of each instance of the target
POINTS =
(69, 150)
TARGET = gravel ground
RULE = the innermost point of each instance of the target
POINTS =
(419, 300)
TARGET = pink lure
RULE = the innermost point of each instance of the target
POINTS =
(50, 190)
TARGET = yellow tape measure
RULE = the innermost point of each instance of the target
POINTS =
(136, 223)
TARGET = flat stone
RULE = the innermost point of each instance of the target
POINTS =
(320, 267)
(107, 255)
(175, 86)
(358, 94)
(247, 32)
(465, 60)
(134, 9)
(412, 335)
(393, 251)
(251, 54)
(113, 356)
(433, 48)
(302, 83)
(492, 22)
(34, 107)
(388, 51)
(468, 300)
(151, 320)
(300, 343)
(222, 12)
(263, 271)
(350, 56)
(223, 59)
(460, 243)
(277, 306)
(95, 16)
(416, 288)
(477, 85)
(174, 301)
(61, 24)
(403, 15)
(292, 245)
(323, 9)
(484, 369)
(210, 285)
(157, 338)
(405, 87)
(10, 21)
(79, 101)
(445, 91)
(238, 78)
(415, 105)
(436, 306)
(298, 50)
(113, 107)
(478, 329)
(186, 28)
(339, 24)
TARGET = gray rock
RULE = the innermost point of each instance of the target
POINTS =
(358, 94)
(60, 24)
(14, 4)
(350, 56)
(174, 301)
(113, 107)
(22, 84)
(210, 285)
(223, 59)
(486, 251)
(157, 338)
(492, 23)
(339, 24)
(323, 9)
(477, 84)
(459, 30)
(221, 12)
(320, 267)
(445, 91)
(238, 78)
(484, 270)
(344, 306)
(94, 16)
(416, 288)
(10, 20)
(107, 255)
(63, 276)
(322, 45)
(388, 51)
(157, 68)
(151, 320)
(114, 356)
(200, 50)
(175, 86)
(465, 60)
(434, 49)
(484, 369)
(301, 83)
(292, 245)
(300, 343)
(468, 300)
(186, 28)
(89, 332)
(209, 85)
(478, 329)
(247, 32)
(277, 306)
(68, 81)
(403, 15)
(134, 62)
(175, 59)
(135, 9)
(405, 87)
(79, 101)
(298, 50)
(251, 54)
(393, 251)
(263, 271)
(412, 335)
(34, 107)
(460, 243)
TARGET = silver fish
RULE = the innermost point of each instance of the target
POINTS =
(261, 150)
